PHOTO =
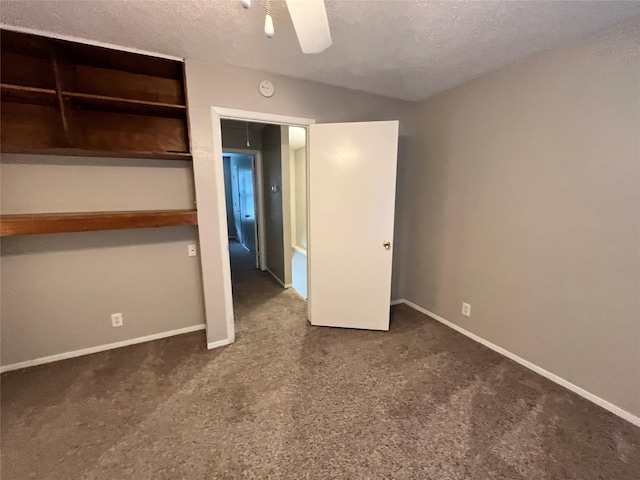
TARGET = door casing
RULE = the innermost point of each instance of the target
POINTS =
(218, 113)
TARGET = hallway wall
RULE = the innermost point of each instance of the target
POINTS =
(273, 209)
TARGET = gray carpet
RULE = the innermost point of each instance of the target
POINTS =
(288, 400)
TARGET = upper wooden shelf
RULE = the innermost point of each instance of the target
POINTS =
(66, 98)
(32, 224)
(124, 105)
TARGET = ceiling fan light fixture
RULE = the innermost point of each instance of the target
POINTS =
(311, 24)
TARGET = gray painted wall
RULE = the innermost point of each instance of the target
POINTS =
(58, 291)
(523, 200)
(273, 215)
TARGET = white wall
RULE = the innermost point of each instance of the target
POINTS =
(299, 271)
(238, 88)
(287, 199)
(274, 201)
(523, 199)
(300, 210)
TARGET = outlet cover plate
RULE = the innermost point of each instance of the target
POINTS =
(116, 320)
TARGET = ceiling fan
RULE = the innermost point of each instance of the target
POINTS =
(310, 22)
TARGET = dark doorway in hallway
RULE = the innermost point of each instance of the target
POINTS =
(240, 193)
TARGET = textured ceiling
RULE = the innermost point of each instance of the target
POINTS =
(403, 49)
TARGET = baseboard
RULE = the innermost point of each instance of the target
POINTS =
(276, 278)
(531, 366)
(300, 250)
(219, 343)
(99, 348)
(297, 293)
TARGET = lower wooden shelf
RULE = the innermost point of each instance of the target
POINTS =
(80, 152)
(42, 223)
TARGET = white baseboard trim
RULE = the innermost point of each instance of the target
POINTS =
(99, 348)
(531, 366)
(219, 343)
(300, 250)
(297, 293)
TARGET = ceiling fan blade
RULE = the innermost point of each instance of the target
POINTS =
(310, 21)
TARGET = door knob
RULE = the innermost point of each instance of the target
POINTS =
(247, 216)
(386, 245)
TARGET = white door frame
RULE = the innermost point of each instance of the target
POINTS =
(258, 194)
(218, 113)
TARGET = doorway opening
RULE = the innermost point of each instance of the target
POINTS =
(264, 167)
(349, 283)
(240, 195)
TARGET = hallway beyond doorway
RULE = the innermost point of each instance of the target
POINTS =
(253, 288)
(264, 169)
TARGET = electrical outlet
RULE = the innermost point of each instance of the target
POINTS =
(193, 250)
(116, 319)
(466, 309)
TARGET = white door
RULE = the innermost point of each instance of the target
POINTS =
(247, 204)
(352, 184)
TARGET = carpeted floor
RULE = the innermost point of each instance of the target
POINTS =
(292, 401)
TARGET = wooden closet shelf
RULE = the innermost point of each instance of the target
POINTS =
(9, 86)
(32, 224)
(83, 100)
(80, 152)
(24, 94)
(124, 105)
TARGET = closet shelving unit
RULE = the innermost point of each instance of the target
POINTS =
(67, 98)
